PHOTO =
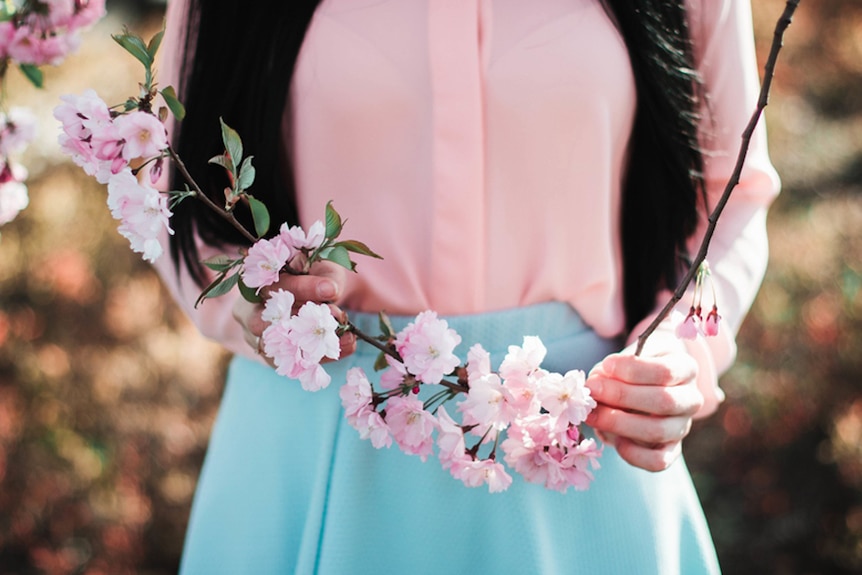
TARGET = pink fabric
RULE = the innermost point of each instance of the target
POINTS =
(479, 147)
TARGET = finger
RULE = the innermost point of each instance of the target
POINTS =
(305, 288)
(668, 369)
(664, 400)
(651, 458)
(645, 429)
(247, 314)
(339, 314)
(324, 283)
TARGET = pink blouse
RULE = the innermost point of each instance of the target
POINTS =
(479, 146)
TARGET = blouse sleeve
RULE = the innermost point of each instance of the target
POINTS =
(213, 317)
(725, 55)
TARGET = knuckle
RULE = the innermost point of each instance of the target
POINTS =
(614, 393)
(666, 402)
(660, 431)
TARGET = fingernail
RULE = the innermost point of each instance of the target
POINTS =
(595, 387)
(326, 290)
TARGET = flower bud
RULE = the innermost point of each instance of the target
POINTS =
(710, 326)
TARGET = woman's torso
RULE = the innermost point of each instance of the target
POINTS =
(477, 145)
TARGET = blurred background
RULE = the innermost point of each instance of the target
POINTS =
(107, 394)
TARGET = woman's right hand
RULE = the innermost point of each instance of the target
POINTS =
(325, 284)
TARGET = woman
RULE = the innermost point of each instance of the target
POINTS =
(525, 168)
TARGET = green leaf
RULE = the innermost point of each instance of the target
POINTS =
(134, 46)
(380, 363)
(333, 222)
(246, 174)
(220, 263)
(7, 11)
(176, 107)
(218, 287)
(176, 196)
(260, 215)
(358, 248)
(385, 325)
(32, 73)
(232, 142)
(223, 161)
(154, 44)
(340, 256)
(248, 293)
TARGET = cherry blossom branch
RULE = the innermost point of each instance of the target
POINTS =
(199, 194)
(374, 342)
(769, 71)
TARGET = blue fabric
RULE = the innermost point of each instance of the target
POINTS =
(288, 486)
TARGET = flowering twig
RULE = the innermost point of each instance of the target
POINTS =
(200, 195)
(769, 71)
(32, 34)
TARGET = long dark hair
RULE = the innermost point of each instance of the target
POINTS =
(259, 48)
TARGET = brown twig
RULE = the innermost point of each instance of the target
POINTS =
(203, 197)
(762, 101)
(390, 351)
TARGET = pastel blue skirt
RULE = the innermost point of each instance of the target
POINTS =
(288, 487)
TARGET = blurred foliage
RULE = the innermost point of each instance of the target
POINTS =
(107, 394)
(779, 467)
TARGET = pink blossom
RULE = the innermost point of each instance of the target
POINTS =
(284, 353)
(80, 114)
(26, 46)
(427, 346)
(524, 446)
(278, 306)
(689, 327)
(106, 141)
(486, 405)
(478, 362)
(143, 213)
(296, 237)
(313, 330)
(313, 377)
(13, 199)
(579, 460)
(84, 118)
(522, 361)
(17, 129)
(296, 344)
(83, 155)
(356, 397)
(543, 453)
(59, 12)
(522, 397)
(87, 13)
(356, 393)
(394, 376)
(450, 440)
(289, 360)
(566, 396)
(710, 326)
(144, 135)
(485, 471)
(411, 426)
(372, 426)
(263, 263)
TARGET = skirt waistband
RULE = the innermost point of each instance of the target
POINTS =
(497, 330)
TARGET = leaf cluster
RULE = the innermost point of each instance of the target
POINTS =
(145, 53)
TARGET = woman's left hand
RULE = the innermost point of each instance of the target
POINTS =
(646, 403)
